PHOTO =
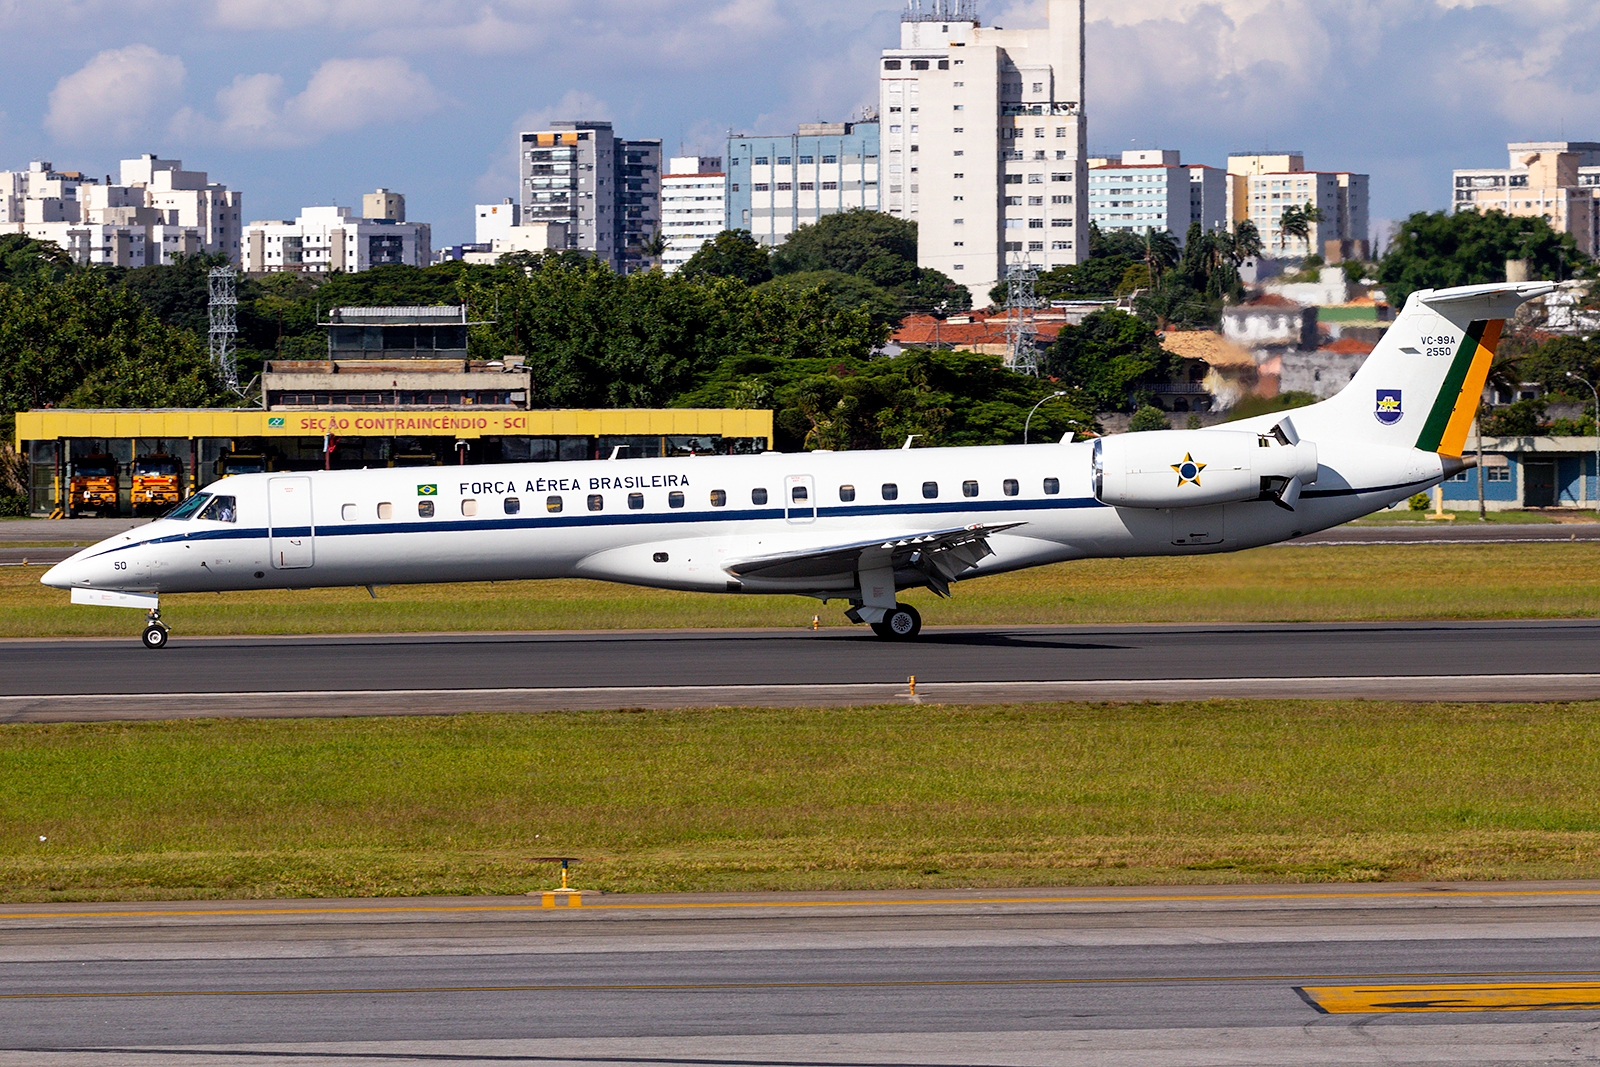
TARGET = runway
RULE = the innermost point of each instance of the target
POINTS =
(44, 680)
(1146, 976)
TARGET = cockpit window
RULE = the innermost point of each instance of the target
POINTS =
(186, 510)
(221, 509)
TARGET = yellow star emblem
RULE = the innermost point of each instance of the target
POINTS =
(1188, 470)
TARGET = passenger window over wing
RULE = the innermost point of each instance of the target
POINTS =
(513, 505)
(635, 501)
(890, 491)
(758, 496)
(348, 513)
(675, 499)
(552, 503)
(930, 490)
(969, 488)
(797, 494)
(1052, 486)
(1009, 487)
(847, 493)
(424, 509)
(597, 502)
(469, 508)
(386, 510)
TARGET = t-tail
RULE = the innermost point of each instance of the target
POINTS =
(1421, 386)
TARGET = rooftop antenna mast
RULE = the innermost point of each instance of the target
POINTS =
(1021, 300)
(224, 314)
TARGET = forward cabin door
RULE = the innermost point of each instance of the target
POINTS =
(800, 498)
(290, 529)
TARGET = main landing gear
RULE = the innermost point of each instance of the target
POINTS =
(155, 634)
(900, 623)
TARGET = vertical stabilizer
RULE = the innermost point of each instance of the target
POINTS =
(1421, 386)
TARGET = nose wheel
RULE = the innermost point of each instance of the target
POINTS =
(155, 634)
(900, 624)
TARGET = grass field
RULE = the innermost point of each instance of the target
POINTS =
(786, 799)
(1269, 584)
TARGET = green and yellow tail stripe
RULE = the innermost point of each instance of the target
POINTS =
(1445, 430)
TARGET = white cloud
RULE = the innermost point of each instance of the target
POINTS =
(343, 94)
(116, 96)
(501, 178)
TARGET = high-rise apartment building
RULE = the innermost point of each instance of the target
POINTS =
(778, 184)
(384, 204)
(1260, 187)
(155, 211)
(693, 206)
(326, 239)
(984, 140)
(604, 189)
(1151, 189)
(1558, 181)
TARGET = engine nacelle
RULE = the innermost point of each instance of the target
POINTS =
(1193, 468)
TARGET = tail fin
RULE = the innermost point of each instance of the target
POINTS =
(1421, 385)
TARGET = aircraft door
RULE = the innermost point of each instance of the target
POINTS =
(290, 528)
(800, 498)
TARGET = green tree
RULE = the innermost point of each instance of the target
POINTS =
(1107, 357)
(1148, 417)
(844, 290)
(1301, 221)
(1159, 252)
(730, 254)
(857, 241)
(22, 259)
(1438, 249)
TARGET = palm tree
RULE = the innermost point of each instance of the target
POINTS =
(1298, 221)
(1160, 253)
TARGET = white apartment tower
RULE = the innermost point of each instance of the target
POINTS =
(694, 194)
(984, 141)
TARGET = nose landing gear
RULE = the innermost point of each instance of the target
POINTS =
(155, 634)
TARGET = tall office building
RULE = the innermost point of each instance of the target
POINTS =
(693, 206)
(778, 184)
(604, 189)
(984, 140)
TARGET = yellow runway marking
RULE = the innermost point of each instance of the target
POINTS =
(725, 987)
(1477, 996)
(702, 905)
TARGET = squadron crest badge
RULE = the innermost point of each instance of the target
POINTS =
(1388, 410)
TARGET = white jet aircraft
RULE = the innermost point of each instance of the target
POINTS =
(856, 526)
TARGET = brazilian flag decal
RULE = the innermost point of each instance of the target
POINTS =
(427, 490)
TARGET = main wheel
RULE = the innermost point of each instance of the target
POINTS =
(901, 624)
(155, 636)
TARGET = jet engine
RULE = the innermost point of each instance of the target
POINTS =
(1181, 469)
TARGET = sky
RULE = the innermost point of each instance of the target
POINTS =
(300, 102)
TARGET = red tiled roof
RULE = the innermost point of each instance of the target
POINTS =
(983, 329)
(1349, 346)
(1270, 300)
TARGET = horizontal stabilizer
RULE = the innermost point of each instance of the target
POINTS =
(947, 552)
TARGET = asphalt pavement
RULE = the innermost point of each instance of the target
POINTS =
(1150, 976)
(42, 679)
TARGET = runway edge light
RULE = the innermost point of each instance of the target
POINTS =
(566, 896)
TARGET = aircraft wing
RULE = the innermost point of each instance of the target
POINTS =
(940, 555)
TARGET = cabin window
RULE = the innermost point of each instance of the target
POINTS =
(930, 490)
(221, 509)
(659, 557)
(758, 496)
(386, 510)
(469, 508)
(424, 509)
(1010, 487)
(719, 498)
(348, 513)
(890, 491)
(847, 493)
(635, 501)
(969, 488)
(1052, 486)
(552, 504)
(675, 499)
(798, 494)
(597, 502)
(513, 505)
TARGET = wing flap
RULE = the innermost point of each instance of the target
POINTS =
(942, 555)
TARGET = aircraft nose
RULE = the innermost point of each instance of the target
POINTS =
(60, 576)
